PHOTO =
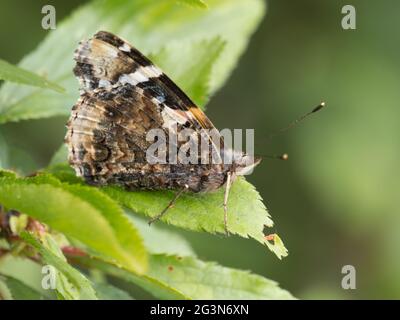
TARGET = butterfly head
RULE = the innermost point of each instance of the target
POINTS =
(242, 163)
(246, 164)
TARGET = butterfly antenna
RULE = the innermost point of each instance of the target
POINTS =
(283, 156)
(297, 121)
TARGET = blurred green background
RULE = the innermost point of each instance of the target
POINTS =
(336, 201)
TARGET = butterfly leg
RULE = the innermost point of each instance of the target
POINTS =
(170, 205)
(227, 188)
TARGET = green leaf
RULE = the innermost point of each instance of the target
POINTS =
(80, 212)
(7, 174)
(21, 161)
(176, 277)
(157, 288)
(60, 156)
(149, 25)
(26, 271)
(193, 72)
(19, 290)
(80, 282)
(129, 239)
(4, 152)
(12, 157)
(65, 289)
(5, 292)
(12, 73)
(208, 280)
(160, 240)
(247, 215)
(64, 172)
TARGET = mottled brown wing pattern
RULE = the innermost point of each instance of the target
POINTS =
(123, 96)
(108, 59)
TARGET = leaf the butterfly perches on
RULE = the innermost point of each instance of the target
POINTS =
(123, 97)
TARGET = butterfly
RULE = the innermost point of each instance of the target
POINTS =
(123, 96)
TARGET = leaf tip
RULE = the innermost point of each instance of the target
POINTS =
(275, 244)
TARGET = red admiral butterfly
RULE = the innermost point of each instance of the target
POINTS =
(123, 97)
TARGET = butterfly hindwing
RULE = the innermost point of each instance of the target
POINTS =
(123, 97)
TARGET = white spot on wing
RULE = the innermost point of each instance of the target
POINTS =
(139, 76)
(171, 118)
(142, 74)
(125, 47)
(151, 71)
(155, 101)
(133, 78)
(104, 83)
(125, 79)
(109, 51)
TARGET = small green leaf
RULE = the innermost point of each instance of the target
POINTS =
(20, 291)
(26, 271)
(176, 277)
(247, 215)
(5, 292)
(80, 212)
(278, 246)
(80, 282)
(193, 72)
(208, 280)
(65, 289)
(12, 73)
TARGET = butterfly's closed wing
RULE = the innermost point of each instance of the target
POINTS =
(123, 96)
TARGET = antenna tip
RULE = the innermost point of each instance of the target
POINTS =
(285, 156)
(319, 107)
